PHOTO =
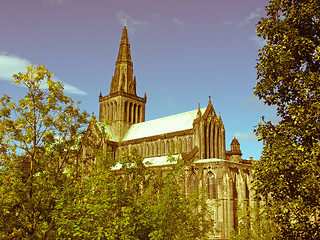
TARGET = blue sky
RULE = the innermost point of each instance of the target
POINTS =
(183, 52)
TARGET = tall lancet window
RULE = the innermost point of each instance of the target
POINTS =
(193, 183)
(125, 118)
(211, 185)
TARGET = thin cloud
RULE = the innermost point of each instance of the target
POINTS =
(11, 64)
(133, 25)
(253, 15)
(246, 136)
(178, 22)
(58, 2)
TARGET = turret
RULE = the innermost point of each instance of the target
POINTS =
(235, 153)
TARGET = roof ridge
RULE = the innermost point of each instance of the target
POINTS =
(202, 109)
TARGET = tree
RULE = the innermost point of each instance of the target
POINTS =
(39, 137)
(133, 201)
(288, 73)
(255, 224)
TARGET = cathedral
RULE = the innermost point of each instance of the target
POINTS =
(197, 136)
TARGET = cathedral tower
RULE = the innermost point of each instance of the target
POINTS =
(122, 107)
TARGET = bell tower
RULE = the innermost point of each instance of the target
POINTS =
(122, 107)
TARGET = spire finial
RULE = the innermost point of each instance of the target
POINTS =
(125, 21)
(199, 111)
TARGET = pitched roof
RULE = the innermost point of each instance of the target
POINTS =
(174, 123)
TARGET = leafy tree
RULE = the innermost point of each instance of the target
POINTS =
(133, 202)
(38, 144)
(255, 224)
(288, 72)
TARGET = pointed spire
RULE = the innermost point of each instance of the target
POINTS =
(123, 73)
(199, 114)
(124, 50)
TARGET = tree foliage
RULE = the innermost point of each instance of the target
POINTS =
(132, 202)
(288, 72)
(38, 140)
(255, 224)
(57, 181)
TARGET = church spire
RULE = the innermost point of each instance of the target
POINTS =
(123, 74)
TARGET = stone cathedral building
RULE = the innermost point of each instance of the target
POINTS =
(197, 136)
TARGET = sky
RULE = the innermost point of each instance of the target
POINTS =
(183, 51)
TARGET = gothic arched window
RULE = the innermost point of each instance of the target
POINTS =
(190, 143)
(163, 148)
(134, 117)
(156, 149)
(185, 145)
(126, 111)
(172, 146)
(114, 111)
(168, 147)
(139, 114)
(180, 145)
(130, 112)
(193, 183)
(211, 186)
(111, 112)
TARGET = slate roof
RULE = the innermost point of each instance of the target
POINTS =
(173, 123)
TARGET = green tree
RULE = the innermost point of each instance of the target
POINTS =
(255, 224)
(38, 145)
(133, 201)
(288, 72)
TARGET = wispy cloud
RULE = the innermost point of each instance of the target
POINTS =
(178, 22)
(59, 2)
(252, 16)
(133, 25)
(11, 64)
(246, 136)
